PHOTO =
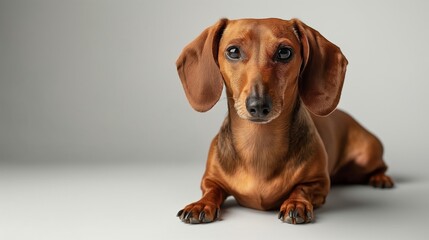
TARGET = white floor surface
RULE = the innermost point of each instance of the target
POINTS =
(135, 201)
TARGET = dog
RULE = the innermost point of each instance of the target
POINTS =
(283, 143)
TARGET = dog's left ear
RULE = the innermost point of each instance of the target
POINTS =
(322, 72)
(199, 70)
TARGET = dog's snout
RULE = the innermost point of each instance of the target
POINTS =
(259, 107)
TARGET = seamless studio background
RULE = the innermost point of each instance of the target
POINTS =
(98, 141)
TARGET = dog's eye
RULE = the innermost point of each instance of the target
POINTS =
(283, 54)
(233, 53)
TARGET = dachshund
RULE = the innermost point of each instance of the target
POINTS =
(283, 143)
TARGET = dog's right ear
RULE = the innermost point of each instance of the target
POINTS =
(198, 68)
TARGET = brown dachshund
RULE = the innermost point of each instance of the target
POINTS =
(282, 143)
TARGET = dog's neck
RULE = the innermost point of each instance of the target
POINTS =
(265, 147)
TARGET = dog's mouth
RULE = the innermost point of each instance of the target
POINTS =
(260, 120)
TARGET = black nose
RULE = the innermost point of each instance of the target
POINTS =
(259, 107)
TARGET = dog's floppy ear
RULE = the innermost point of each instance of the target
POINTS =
(322, 72)
(199, 70)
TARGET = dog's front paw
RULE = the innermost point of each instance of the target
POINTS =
(381, 180)
(296, 211)
(199, 212)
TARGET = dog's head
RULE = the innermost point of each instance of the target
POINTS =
(265, 64)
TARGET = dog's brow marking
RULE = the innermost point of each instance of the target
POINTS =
(238, 41)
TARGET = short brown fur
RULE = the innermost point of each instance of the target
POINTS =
(287, 157)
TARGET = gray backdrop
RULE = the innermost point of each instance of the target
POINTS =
(96, 80)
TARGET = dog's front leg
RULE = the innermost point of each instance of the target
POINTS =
(207, 209)
(298, 207)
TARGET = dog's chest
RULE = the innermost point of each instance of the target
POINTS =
(254, 191)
